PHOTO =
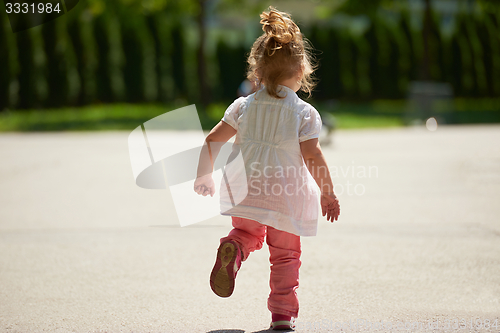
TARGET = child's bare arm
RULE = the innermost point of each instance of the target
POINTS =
(219, 135)
(316, 164)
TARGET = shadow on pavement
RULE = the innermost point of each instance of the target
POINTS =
(269, 330)
(242, 331)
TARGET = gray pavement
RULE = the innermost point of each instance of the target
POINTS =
(82, 249)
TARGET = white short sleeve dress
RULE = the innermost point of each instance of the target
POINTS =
(281, 192)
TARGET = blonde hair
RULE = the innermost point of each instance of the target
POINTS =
(279, 54)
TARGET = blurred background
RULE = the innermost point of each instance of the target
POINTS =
(114, 64)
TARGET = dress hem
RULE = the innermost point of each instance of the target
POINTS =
(276, 220)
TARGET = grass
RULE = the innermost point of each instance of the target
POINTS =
(88, 118)
(352, 121)
(377, 114)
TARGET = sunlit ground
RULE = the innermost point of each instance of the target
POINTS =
(82, 248)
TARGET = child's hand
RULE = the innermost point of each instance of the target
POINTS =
(205, 185)
(330, 206)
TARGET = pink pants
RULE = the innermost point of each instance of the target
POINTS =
(284, 249)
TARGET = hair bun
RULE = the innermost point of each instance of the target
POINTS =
(279, 54)
(278, 25)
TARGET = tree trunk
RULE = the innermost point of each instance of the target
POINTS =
(424, 70)
(202, 65)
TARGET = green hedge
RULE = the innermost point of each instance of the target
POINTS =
(121, 55)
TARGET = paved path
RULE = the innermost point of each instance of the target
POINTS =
(82, 249)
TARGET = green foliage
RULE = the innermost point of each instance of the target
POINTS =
(231, 62)
(9, 82)
(146, 51)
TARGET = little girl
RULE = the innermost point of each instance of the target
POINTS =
(277, 136)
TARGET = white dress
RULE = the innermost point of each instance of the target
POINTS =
(279, 190)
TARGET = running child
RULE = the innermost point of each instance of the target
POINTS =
(284, 167)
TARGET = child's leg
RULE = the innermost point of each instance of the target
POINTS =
(284, 249)
(248, 233)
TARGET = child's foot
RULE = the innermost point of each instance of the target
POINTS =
(281, 322)
(226, 266)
